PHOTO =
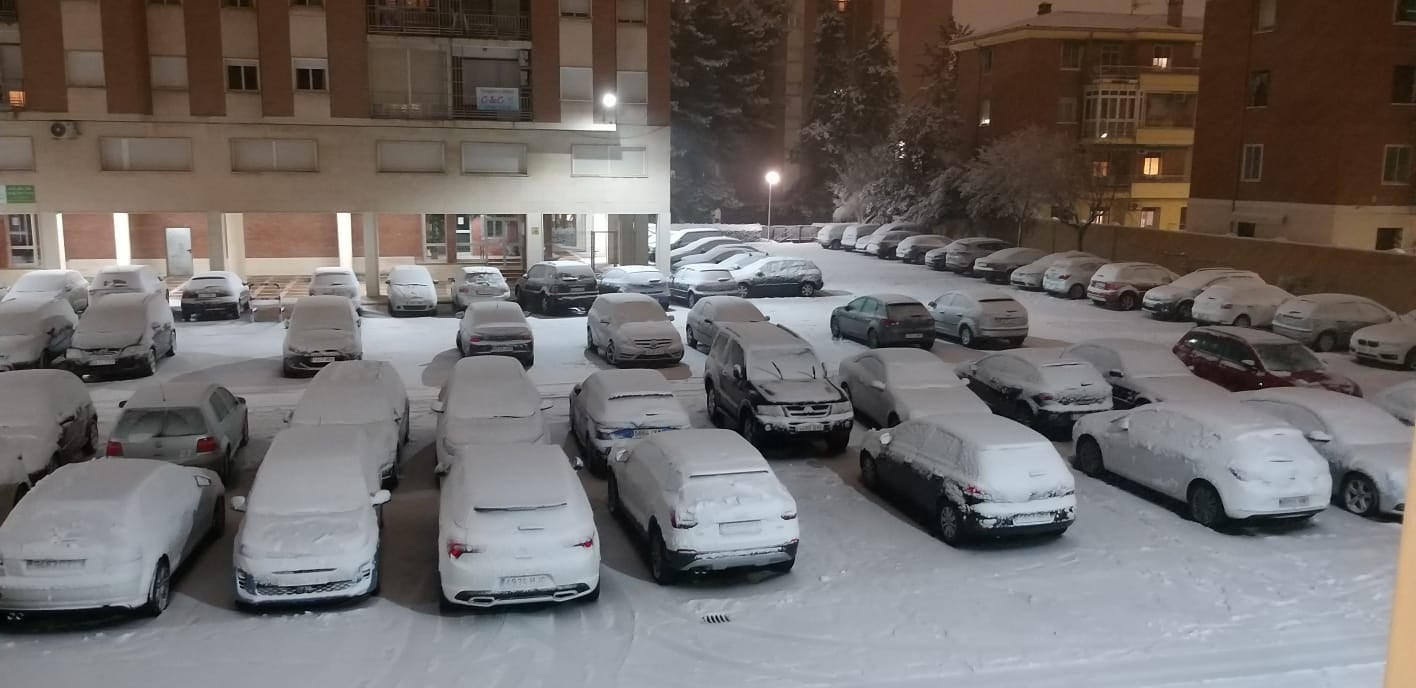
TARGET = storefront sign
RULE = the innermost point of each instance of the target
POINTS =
(19, 193)
(498, 99)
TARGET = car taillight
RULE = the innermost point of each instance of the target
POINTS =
(113, 449)
(474, 339)
(455, 550)
(890, 323)
(587, 543)
(1111, 285)
(682, 521)
(206, 445)
(973, 490)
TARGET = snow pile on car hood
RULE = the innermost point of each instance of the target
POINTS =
(1399, 401)
(277, 535)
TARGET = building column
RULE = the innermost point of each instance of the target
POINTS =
(535, 239)
(51, 240)
(216, 240)
(661, 242)
(122, 241)
(371, 255)
(234, 226)
(344, 228)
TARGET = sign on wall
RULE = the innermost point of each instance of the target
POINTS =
(498, 99)
(19, 193)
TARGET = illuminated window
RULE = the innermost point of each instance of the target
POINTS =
(1150, 166)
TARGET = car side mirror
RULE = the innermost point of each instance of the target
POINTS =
(760, 274)
(766, 318)
(619, 455)
(577, 463)
(1249, 363)
(288, 416)
(240, 401)
(737, 372)
(439, 407)
(1318, 436)
(877, 385)
(238, 504)
(287, 324)
(932, 304)
(380, 498)
(202, 481)
(886, 438)
(671, 317)
(1115, 374)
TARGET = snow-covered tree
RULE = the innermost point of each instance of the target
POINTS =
(1021, 176)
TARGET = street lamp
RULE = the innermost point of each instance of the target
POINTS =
(609, 101)
(773, 179)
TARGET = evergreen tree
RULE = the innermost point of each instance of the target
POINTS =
(819, 154)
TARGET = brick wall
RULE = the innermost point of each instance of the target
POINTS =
(88, 236)
(147, 233)
(286, 235)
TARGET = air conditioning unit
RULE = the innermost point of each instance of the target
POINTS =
(64, 130)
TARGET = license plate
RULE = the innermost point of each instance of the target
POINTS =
(503, 347)
(577, 290)
(322, 359)
(54, 564)
(525, 582)
(740, 528)
(103, 361)
(1293, 501)
(484, 292)
(914, 335)
(810, 427)
(1031, 519)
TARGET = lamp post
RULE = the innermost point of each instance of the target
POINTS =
(609, 101)
(773, 179)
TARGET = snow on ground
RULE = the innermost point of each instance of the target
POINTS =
(1132, 597)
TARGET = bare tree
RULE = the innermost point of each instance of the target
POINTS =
(1086, 196)
(1019, 176)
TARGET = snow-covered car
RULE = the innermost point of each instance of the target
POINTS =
(778, 276)
(1030, 276)
(220, 293)
(1039, 388)
(1175, 301)
(355, 410)
(1142, 373)
(475, 283)
(411, 291)
(1240, 359)
(912, 249)
(740, 260)
(1069, 277)
(106, 534)
(1240, 305)
(703, 500)
(699, 247)
(998, 267)
(632, 328)
(1392, 343)
(863, 239)
(35, 331)
(612, 408)
(554, 285)
(374, 379)
(693, 282)
(1124, 285)
(710, 313)
(767, 382)
(830, 234)
(515, 527)
(884, 244)
(1368, 450)
(320, 331)
(971, 476)
(3, 289)
(973, 316)
(854, 233)
(636, 279)
(884, 320)
(64, 284)
(126, 279)
(496, 327)
(199, 424)
(310, 530)
(1399, 400)
(46, 419)
(1224, 460)
(127, 332)
(487, 400)
(716, 256)
(335, 282)
(684, 237)
(1326, 322)
(887, 386)
(960, 256)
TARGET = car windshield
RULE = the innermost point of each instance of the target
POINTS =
(711, 276)
(575, 272)
(409, 278)
(322, 318)
(39, 282)
(332, 279)
(783, 365)
(160, 422)
(1289, 358)
(639, 311)
(487, 279)
(204, 283)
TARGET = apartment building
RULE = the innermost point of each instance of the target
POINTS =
(1125, 86)
(273, 136)
(1307, 122)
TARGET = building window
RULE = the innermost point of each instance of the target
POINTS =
(168, 71)
(1150, 217)
(242, 76)
(1184, 215)
(1111, 112)
(311, 74)
(1150, 165)
(307, 3)
(247, 4)
(1259, 89)
(985, 60)
(1396, 165)
(1160, 57)
(144, 154)
(1245, 229)
(1072, 52)
(435, 238)
(575, 8)
(16, 153)
(24, 241)
(493, 158)
(1101, 169)
(275, 155)
(1111, 54)
(1173, 110)
(607, 161)
(1406, 10)
(84, 68)
(1403, 84)
(1066, 110)
(630, 11)
(1388, 238)
(576, 84)
(985, 113)
(1253, 167)
(1267, 15)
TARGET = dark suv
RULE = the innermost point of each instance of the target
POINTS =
(555, 285)
(1240, 359)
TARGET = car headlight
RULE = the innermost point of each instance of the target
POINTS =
(767, 410)
(841, 407)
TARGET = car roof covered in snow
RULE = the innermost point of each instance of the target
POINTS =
(336, 403)
(981, 293)
(311, 470)
(491, 386)
(311, 303)
(637, 268)
(731, 308)
(1325, 403)
(986, 430)
(361, 372)
(133, 301)
(333, 271)
(1399, 400)
(624, 297)
(32, 306)
(104, 480)
(970, 241)
(171, 394)
(1249, 335)
(119, 270)
(1230, 415)
(1040, 356)
(566, 264)
(514, 476)
(1235, 289)
(890, 299)
(763, 335)
(43, 393)
(1329, 298)
(708, 452)
(495, 311)
(409, 272)
(478, 269)
(216, 274)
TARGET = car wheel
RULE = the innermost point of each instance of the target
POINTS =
(461, 348)
(1127, 301)
(1359, 495)
(235, 311)
(872, 339)
(837, 441)
(869, 472)
(712, 402)
(376, 584)
(1184, 312)
(1089, 459)
(1243, 321)
(1327, 341)
(611, 355)
(808, 289)
(744, 290)
(545, 304)
(589, 339)
(150, 364)
(966, 336)
(1206, 507)
(1076, 292)
(688, 337)
(659, 559)
(949, 523)
(160, 593)
(748, 428)
(20, 491)
(172, 346)
(612, 488)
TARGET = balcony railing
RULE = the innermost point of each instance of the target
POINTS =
(9, 11)
(1103, 130)
(446, 18)
(442, 106)
(1134, 71)
(12, 95)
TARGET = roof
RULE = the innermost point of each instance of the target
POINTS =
(763, 334)
(516, 475)
(1130, 264)
(28, 303)
(170, 394)
(1227, 413)
(361, 372)
(1330, 298)
(564, 263)
(969, 241)
(417, 269)
(1115, 22)
(120, 269)
(709, 451)
(127, 300)
(1249, 335)
(986, 429)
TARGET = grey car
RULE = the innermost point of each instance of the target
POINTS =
(200, 424)
(556, 285)
(884, 319)
(712, 312)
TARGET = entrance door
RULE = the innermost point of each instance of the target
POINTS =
(179, 251)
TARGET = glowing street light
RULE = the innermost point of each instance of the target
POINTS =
(609, 101)
(773, 179)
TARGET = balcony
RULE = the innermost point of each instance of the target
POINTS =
(12, 96)
(443, 106)
(1150, 78)
(1161, 187)
(448, 18)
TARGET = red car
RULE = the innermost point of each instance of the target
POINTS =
(1240, 359)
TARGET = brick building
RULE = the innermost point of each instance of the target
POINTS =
(1307, 122)
(273, 136)
(1124, 85)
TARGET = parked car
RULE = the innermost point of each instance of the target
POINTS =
(1368, 450)
(35, 331)
(336, 282)
(1124, 285)
(911, 249)
(715, 256)
(884, 320)
(370, 379)
(766, 381)
(356, 411)
(200, 424)
(740, 260)
(613, 408)
(636, 279)
(684, 237)
(3, 289)
(632, 328)
(1030, 276)
(863, 239)
(1069, 277)
(320, 331)
(778, 276)
(699, 247)
(1399, 400)
(998, 267)
(1039, 388)
(971, 476)
(411, 291)
(1142, 373)
(555, 285)
(1326, 322)
(973, 316)
(487, 400)
(1175, 301)
(1240, 359)
(703, 500)
(496, 328)
(126, 279)
(960, 256)
(711, 313)
(106, 535)
(222, 293)
(693, 282)
(1240, 305)
(884, 244)
(476, 283)
(887, 386)
(311, 527)
(515, 527)
(1392, 343)
(65, 284)
(1224, 460)
(47, 419)
(123, 333)
(853, 234)
(830, 235)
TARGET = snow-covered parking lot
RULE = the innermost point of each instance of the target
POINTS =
(1133, 596)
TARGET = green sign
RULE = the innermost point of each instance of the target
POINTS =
(19, 193)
